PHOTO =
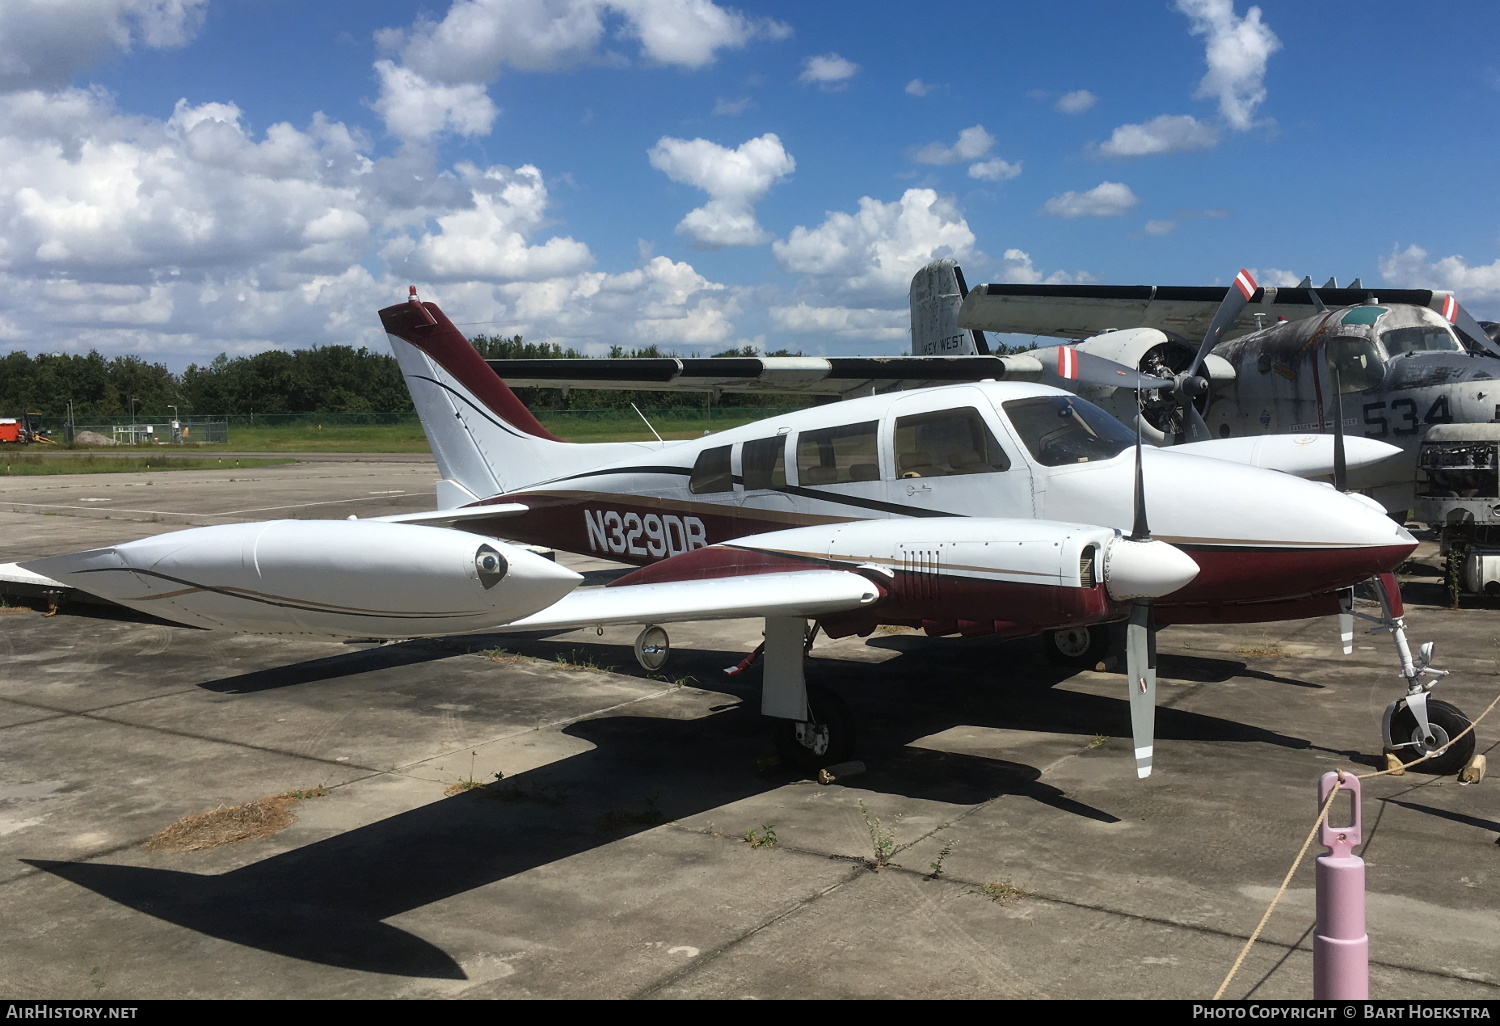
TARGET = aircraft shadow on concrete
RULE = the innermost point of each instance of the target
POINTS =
(327, 902)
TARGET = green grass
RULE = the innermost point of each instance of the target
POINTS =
(31, 465)
(309, 435)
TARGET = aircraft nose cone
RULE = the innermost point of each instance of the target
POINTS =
(1145, 569)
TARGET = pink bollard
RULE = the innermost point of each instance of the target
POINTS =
(1341, 948)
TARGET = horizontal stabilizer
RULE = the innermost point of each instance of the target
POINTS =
(804, 593)
(813, 375)
(1078, 311)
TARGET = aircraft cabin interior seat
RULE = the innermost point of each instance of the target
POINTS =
(864, 472)
(914, 464)
(819, 475)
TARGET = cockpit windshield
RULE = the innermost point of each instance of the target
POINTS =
(1423, 338)
(1060, 429)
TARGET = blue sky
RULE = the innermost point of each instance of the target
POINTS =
(180, 178)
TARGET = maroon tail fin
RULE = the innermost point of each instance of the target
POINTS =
(428, 328)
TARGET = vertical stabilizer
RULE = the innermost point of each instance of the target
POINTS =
(485, 440)
(937, 292)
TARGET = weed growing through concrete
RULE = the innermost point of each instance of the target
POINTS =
(616, 819)
(765, 837)
(680, 682)
(510, 791)
(233, 823)
(574, 661)
(882, 839)
(1271, 651)
(1002, 892)
(501, 656)
(942, 856)
(467, 783)
(1097, 740)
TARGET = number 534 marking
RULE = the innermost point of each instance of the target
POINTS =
(1403, 421)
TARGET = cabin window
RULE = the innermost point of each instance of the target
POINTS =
(1059, 430)
(1424, 338)
(838, 455)
(711, 472)
(764, 463)
(945, 443)
(1357, 361)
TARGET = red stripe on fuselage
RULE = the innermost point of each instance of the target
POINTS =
(1230, 577)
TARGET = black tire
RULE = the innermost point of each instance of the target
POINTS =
(1446, 721)
(1078, 647)
(830, 739)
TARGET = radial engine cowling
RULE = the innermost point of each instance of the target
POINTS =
(333, 578)
(1158, 354)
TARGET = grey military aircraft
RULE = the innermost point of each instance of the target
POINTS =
(1396, 361)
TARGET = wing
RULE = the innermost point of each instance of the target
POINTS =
(1079, 311)
(841, 376)
(807, 593)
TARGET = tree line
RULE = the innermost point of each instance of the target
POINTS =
(328, 379)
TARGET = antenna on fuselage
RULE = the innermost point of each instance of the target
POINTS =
(641, 415)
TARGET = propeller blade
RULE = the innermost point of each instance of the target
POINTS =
(1235, 299)
(1197, 427)
(1457, 316)
(1088, 369)
(1140, 667)
(1346, 619)
(1139, 530)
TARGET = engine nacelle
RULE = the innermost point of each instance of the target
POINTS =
(1153, 352)
(333, 578)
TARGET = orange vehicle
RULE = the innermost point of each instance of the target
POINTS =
(20, 432)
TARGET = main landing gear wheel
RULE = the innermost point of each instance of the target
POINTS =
(1078, 647)
(1447, 722)
(825, 739)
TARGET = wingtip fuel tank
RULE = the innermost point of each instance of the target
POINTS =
(328, 578)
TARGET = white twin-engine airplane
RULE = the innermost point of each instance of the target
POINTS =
(982, 508)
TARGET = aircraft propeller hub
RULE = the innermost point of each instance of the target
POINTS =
(1145, 569)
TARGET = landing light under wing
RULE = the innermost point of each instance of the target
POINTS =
(1080, 311)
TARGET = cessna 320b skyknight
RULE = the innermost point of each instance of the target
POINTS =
(985, 508)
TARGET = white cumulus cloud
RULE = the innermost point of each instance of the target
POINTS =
(1107, 199)
(973, 143)
(877, 249)
(437, 81)
(1410, 268)
(843, 322)
(1236, 51)
(415, 109)
(829, 70)
(488, 241)
(735, 181)
(1169, 133)
(1017, 267)
(1076, 102)
(916, 87)
(995, 170)
(188, 236)
(1161, 227)
(44, 42)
